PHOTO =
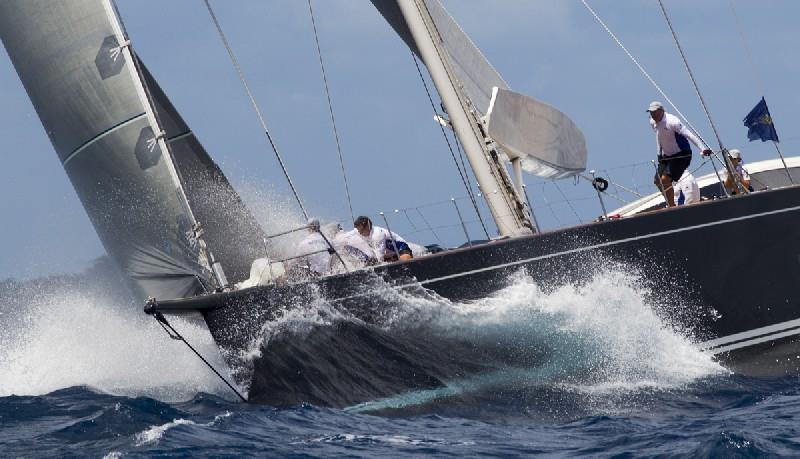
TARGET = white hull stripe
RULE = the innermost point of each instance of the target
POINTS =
(612, 243)
(753, 342)
(572, 251)
(756, 332)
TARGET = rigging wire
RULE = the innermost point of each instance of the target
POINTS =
(150, 309)
(330, 109)
(255, 107)
(567, 201)
(691, 74)
(753, 68)
(464, 174)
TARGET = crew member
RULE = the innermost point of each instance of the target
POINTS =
(387, 245)
(674, 151)
(740, 171)
(687, 190)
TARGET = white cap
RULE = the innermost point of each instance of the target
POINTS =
(735, 153)
(313, 223)
(654, 105)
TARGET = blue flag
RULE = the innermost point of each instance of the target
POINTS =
(759, 123)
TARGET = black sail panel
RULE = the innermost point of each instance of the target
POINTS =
(231, 230)
(87, 95)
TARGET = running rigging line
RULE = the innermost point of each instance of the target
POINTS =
(464, 174)
(330, 109)
(255, 107)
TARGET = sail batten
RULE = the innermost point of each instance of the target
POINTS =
(100, 136)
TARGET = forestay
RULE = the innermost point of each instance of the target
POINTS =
(89, 99)
(477, 78)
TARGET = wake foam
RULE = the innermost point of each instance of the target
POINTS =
(66, 338)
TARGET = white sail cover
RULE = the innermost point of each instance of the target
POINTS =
(476, 78)
(69, 60)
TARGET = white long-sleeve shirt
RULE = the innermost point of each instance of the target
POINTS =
(673, 137)
(373, 246)
(381, 240)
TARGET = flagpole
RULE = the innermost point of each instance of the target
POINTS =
(785, 167)
(775, 142)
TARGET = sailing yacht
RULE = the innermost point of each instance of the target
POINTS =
(152, 193)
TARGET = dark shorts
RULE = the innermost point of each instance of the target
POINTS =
(402, 249)
(673, 166)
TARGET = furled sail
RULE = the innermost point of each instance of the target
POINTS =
(559, 145)
(476, 79)
(90, 100)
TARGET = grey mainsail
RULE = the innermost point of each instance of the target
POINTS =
(477, 78)
(90, 100)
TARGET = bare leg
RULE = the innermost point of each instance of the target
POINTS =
(666, 184)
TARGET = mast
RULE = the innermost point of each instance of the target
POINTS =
(505, 204)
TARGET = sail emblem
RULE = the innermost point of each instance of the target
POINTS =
(147, 150)
(109, 59)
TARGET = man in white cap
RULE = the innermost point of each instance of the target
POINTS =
(674, 151)
(741, 173)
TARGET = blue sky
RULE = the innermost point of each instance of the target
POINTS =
(395, 155)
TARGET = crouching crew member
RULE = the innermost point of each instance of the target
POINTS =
(388, 245)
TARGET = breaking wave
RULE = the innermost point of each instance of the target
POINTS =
(61, 332)
(595, 341)
(598, 338)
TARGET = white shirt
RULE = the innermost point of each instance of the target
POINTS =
(672, 136)
(741, 171)
(688, 186)
(380, 239)
(373, 246)
(355, 240)
(320, 262)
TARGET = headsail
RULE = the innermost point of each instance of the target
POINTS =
(477, 77)
(88, 97)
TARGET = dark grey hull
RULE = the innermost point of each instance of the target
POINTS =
(725, 271)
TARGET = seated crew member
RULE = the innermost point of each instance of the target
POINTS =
(314, 246)
(674, 151)
(388, 246)
(687, 190)
(741, 173)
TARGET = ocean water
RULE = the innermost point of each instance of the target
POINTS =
(589, 370)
